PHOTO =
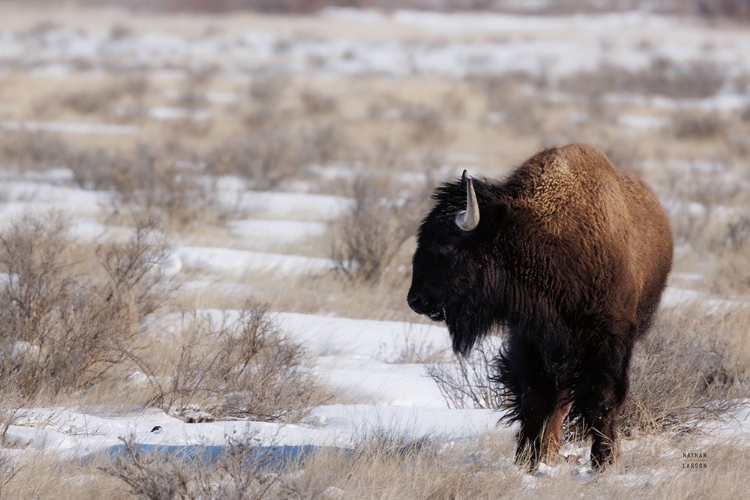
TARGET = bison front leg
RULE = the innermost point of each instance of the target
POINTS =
(531, 397)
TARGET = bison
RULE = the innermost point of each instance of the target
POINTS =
(570, 256)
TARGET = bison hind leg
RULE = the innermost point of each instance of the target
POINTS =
(552, 432)
(531, 399)
(599, 394)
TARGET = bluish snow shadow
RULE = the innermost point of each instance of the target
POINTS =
(271, 457)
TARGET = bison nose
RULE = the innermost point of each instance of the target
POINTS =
(415, 302)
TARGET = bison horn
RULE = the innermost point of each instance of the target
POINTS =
(468, 219)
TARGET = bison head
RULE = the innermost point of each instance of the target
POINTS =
(455, 269)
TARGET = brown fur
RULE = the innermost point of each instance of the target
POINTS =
(613, 225)
(570, 254)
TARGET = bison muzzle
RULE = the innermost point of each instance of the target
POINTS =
(570, 256)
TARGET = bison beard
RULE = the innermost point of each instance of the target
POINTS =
(571, 256)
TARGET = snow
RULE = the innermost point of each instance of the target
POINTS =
(170, 113)
(479, 43)
(294, 206)
(236, 262)
(358, 357)
(355, 354)
(74, 434)
(40, 198)
(69, 127)
(642, 122)
(735, 427)
(701, 301)
(501, 23)
(261, 233)
(722, 101)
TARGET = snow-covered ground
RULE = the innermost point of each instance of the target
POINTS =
(356, 357)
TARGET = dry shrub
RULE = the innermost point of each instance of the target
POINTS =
(152, 181)
(727, 8)
(427, 124)
(745, 113)
(317, 103)
(265, 158)
(265, 113)
(165, 189)
(706, 183)
(119, 31)
(369, 237)
(240, 472)
(690, 80)
(237, 368)
(193, 126)
(101, 101)
(62, 331)
(693, 125)
(158, 181)
(729, 272)
(39, 29)
(467, 381)
(522, 112)
(25, 151)
(268, 157)
(268, 89)
(687, 370)
(624, 154)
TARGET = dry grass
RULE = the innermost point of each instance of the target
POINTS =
(63, 330)
(43, 475)
(238, 473)
(387, 465)
(240, 367)
(483, 469)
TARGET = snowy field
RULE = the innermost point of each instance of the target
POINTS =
(259, 143)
